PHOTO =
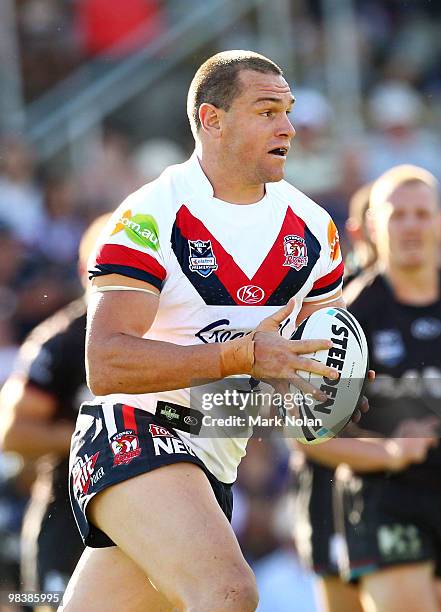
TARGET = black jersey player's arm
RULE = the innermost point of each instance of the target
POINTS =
(410, 444)
(26, 425)
(120, 360)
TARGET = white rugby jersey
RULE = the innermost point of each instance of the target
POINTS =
(221, 268)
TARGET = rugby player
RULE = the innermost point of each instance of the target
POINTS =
(387, 507)
(399, 308)
(201, 275)
(38, 409)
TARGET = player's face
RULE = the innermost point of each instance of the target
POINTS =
(256, 130)
(408, 226)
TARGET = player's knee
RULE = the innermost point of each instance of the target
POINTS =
(233, 592)
(242, 594)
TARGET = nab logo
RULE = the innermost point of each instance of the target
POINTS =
(250, 294)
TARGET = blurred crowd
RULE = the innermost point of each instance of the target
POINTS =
(45, 207)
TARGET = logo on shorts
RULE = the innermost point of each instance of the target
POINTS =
(125, 447)
(399, 541)
(169, 413)
(296, 252)
(190, 420)
(157, 431)
(250, 294)
(202, 259)
(82, 472)
(170, 445)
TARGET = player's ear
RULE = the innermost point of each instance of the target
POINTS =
(210, 118)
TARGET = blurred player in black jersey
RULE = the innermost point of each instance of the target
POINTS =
(406, 232)
(391, 522)
(314, 532)
(38, 408)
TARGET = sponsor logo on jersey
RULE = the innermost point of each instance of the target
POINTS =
(82, 472)
(125, 447)
(202, 259)
(140, 229)
(218, 331)
(411, 384)
(296, 252)
(388, 347)
(426, 328)
(334, 241)
(157, 431)
(250, 294)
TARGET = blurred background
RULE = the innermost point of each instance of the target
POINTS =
(92, 105)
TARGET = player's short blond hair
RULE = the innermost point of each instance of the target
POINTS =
(398, 176)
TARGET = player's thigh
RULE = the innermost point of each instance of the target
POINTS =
(106, 580)
(170, 523)
(408, 587)
(338, 596)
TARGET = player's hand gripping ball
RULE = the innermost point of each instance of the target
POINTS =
(349, 355)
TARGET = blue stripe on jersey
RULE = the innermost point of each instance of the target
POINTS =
(103, 269)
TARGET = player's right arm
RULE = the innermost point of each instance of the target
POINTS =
(120, 360)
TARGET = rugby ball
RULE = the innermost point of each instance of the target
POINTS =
(349, 355)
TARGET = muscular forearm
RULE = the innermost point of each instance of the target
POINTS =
(120, 360)
(33, 439)
(127, 364)
(362, 455)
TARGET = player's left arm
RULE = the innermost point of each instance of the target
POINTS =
(334, 301)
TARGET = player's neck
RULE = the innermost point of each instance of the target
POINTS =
(416, 286)
(227, 184)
